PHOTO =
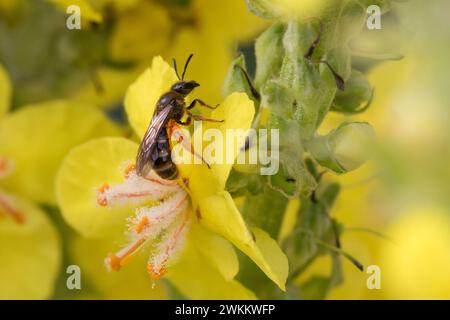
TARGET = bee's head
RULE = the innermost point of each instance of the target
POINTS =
(184, 87)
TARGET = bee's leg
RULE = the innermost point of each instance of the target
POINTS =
(202, 118)
(179, 137)
(253, 90)
(312, 48)
(200, 102)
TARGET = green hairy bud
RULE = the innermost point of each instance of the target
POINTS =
(345, 148)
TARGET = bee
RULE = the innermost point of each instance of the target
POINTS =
(155, 149)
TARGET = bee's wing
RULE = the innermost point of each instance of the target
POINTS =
(144, 159)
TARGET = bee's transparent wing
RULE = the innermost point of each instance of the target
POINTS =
(144, 159)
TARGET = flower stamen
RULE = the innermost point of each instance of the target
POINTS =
(134, 190)
(141, 225)
(10, 210)
(161, 215)
(130, 168)
(115, 261)
(157, 266)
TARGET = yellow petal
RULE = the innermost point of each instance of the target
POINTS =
(132, 282)
(219, 213)
(195, 278)
(86, 168)
(215, 249)
(5, 92)
(237, 111)
(87, 10)
(36, 139)
(142, 95)
(29, 254)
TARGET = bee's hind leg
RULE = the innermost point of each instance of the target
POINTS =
(179, 137)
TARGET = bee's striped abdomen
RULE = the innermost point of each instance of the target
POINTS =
(162, 161)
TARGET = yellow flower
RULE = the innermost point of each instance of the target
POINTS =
(29, 244)
(36, 138)
(33, 142)
(29, 251)
(165, 218)
(130, 283)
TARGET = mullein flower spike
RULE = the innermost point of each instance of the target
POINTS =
(99, 200)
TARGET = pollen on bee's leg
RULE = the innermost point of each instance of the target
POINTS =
(9, 209)
(151, 221)
(115, 261)
(133, 190)
(166, 250)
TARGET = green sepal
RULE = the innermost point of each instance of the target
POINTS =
(357, 96)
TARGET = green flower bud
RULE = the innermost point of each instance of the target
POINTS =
(358, 91)
(269, 53)
(345, 148)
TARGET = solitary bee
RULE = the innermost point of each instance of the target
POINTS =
(155, 149)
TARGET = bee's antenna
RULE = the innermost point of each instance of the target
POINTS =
(174, 62)
(186, 65)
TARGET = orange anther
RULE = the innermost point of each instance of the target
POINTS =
(141, 225)
(101, 199)
(155, 275)
(113, 262)
(103, 188)
(129, 168)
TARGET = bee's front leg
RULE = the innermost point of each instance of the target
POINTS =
(202, 118)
